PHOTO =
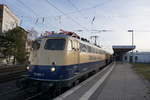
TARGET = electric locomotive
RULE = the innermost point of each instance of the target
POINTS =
(64, 58)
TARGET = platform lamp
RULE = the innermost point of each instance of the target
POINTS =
(132, 41)
(132, 36)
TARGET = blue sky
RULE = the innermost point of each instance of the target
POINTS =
(115, 15)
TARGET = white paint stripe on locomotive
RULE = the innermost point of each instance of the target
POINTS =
(69, 92)
(89, 93)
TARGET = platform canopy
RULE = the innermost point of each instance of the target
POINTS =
(123, 48)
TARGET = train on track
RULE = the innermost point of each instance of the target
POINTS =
(63, 59)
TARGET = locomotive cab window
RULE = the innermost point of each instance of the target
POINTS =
(55, 44)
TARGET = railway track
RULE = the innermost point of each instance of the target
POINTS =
(11, 73)
(35, 97)
(16, 94)
(23, 94)
(50, 94)
(45, 95)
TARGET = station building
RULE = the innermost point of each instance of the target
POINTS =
(121, 50)
(125, 53)
(138, 57)
(8, 20)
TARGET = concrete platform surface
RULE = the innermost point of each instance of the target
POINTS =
(122, 84)
(84, 90)
(117, 81)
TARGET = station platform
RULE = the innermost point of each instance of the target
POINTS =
(116, 82)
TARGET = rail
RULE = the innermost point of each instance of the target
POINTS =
(11, 73)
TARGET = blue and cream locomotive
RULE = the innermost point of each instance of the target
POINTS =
(64, 59)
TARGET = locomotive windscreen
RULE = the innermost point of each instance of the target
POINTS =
(55, 44)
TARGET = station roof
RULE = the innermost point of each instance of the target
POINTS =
(123, 48)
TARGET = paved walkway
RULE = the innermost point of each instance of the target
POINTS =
(122, 84)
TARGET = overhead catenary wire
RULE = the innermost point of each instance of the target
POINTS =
(38, 21)
(75, 7)
(18, 6)
(30, 9)
(89, 8)
(51, 4)
(77, 10)
(41, 17)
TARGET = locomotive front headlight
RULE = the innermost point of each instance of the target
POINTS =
(28, 67)
(53, 69)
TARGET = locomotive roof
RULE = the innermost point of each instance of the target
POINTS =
(54, 35)
(67, 36)
(64, 36)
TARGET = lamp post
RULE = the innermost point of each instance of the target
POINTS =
(132, 42)
(132, 36)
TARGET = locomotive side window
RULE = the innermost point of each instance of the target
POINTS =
(55, 44)
(36, 44)
(69, 45)
(83, 47)
(75, 45)
(89, 49)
